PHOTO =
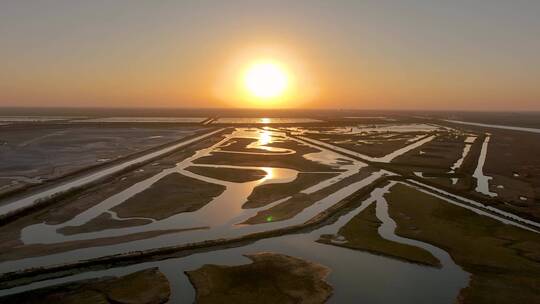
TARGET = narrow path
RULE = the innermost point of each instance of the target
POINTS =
(494, 212)
(523, 129)
(384, 159)
(502, 216)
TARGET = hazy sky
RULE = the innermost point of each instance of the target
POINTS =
(344, 54)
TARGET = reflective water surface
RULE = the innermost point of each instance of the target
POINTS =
(355, 275)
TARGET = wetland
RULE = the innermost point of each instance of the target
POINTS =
(309, 210)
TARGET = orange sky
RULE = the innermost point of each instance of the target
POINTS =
(476, 55)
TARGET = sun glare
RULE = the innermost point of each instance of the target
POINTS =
(264, 77)
(266, 80)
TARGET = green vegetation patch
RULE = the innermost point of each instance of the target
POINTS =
(361, 233)
(300, 201)
(442, 152)
(271, 278)
(173, 194)
(503, 259)
(265, 194)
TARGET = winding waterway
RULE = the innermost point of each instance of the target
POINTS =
(355, 275)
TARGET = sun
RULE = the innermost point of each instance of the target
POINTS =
(266, 80)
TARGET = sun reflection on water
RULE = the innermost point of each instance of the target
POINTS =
(270, 174)
(265, 137)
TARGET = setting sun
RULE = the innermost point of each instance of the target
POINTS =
(266, 80)
(265, 76)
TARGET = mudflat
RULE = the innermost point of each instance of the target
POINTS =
(41, 152)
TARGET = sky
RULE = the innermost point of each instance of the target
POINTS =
(406, 54)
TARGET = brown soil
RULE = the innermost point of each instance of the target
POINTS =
(229, 174)
(173, 194)
(271, 278)
(148, 286)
